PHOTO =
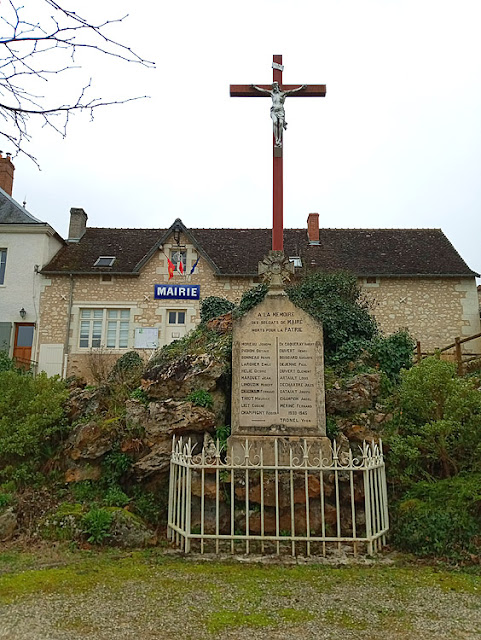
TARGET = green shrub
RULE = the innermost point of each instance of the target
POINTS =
(250, 299)
(198, 341)
(31, 415)
(128, 362)
(393, 353)
(115, 497)
(435, 433)
(213, 307)
(126, 372)
(332, 430)
(201, 398)
(441, 518)
(221, 434)
(149, 506)
(6, 499)
(6, 363)
(23, 474)
(96, 525)
(65, 523)
(336, 300)
(425, 390)
(115, 466)
(140, 395)
(86, 491)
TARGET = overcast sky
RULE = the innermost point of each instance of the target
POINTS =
(395, 143)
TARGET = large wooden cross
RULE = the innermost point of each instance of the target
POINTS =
(263, 90)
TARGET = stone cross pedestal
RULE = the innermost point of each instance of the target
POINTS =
(278, 375)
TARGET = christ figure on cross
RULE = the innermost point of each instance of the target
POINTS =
(278, 114)
(278, 92)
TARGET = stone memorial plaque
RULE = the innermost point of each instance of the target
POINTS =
(277, 371)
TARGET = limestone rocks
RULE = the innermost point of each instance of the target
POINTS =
(82, 473)
(155, 462)
(8, 524)
(158, 422)
(169, 417)
(128, 530)
(357, 394)
(180, 377)
(88, 441)
(221, 324)
(82, 402)
(125, 530)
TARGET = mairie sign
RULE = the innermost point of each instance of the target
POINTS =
(177, 292)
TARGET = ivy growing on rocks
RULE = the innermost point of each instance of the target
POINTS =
(213, 307)
(250, 299)
(336, 300)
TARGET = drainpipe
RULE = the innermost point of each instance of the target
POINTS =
(69, 322)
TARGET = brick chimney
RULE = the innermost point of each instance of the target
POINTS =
(313, 228)
(6, 174)
(78, 224)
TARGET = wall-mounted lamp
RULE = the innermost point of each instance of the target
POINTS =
(22, 313)
(177, 231)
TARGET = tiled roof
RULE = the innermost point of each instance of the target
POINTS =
(128, 246)
(365, 252)
(12, 213)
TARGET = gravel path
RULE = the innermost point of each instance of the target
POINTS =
(138, 596)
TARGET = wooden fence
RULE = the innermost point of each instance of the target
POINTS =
(462, 357)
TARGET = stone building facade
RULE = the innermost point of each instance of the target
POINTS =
(435, 310)
(99, 294)
(26, 244)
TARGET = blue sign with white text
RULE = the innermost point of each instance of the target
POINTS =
(177, 292)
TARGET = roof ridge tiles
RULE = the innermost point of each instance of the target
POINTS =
(125, 229)
(389, 251)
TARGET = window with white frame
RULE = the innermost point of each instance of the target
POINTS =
(3, 265)
(104, 261)
(177, 256)
(176, 317)
(104, 327)
(371, 281)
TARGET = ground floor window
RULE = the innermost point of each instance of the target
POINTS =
(176, 317)
(104, 327)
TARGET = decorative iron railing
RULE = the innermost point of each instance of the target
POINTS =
(224, 504)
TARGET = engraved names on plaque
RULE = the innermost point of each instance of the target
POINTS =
(278, 372)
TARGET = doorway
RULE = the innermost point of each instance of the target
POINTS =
(22, 347)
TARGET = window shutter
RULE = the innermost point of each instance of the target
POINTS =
(5, 335)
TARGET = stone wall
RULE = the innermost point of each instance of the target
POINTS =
(127, 292)
(435, 310)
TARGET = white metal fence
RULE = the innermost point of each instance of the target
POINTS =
(218, 503)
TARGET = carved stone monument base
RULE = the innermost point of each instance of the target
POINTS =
(315, 448)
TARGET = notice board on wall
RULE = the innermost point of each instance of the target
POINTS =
(146, 338)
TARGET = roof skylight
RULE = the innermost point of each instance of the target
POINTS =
(105, 261)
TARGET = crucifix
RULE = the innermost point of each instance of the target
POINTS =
(278, 92)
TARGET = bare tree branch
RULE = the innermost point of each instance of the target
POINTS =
(35, 48)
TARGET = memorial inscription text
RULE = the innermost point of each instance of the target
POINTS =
(277, 382)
